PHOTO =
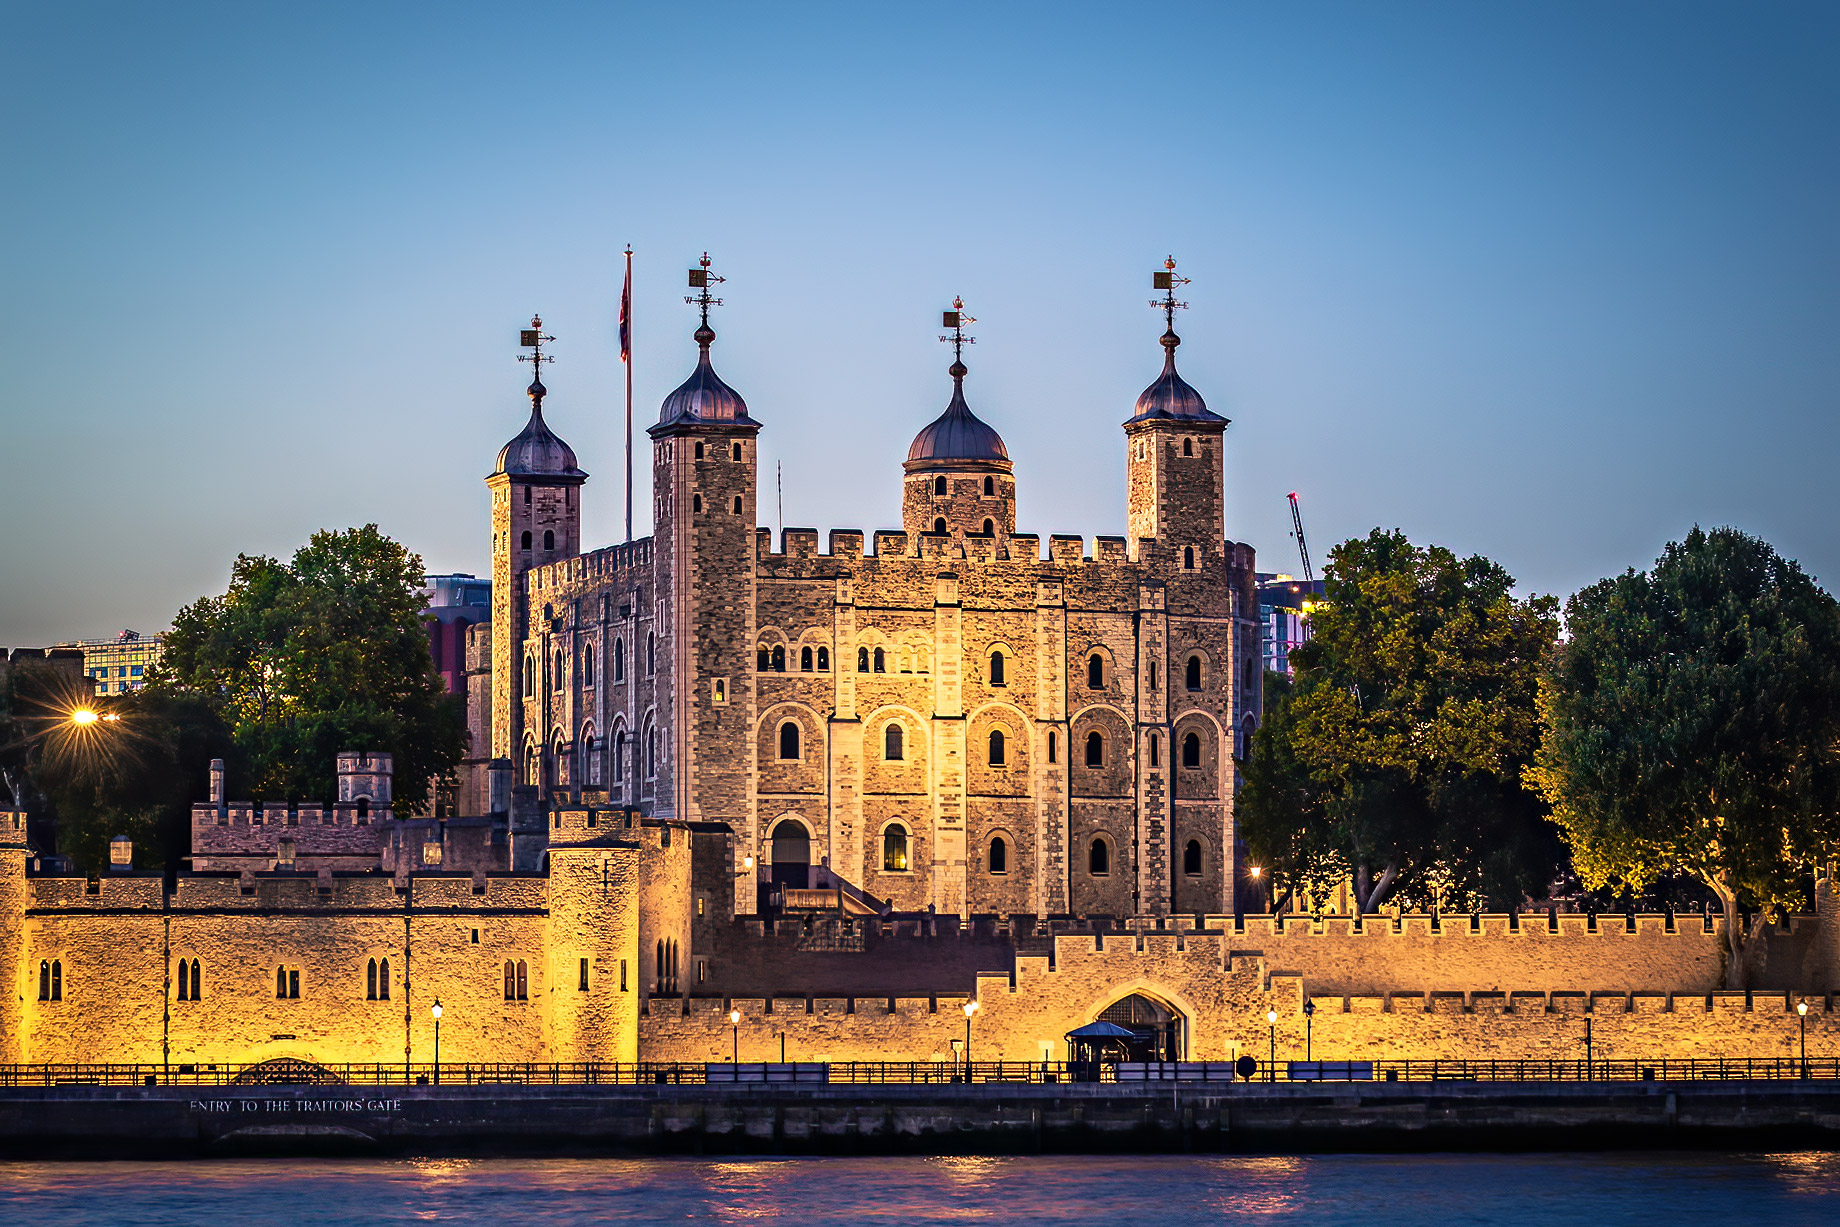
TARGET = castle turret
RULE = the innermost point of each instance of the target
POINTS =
(536, 519)
(959, 479)
(13, 891)
(704, 488)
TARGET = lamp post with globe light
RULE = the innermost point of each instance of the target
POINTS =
(734, 1020)
(1801, 1010)
(436, 1011)
(1271, 1066)
(1309, 1013)
(971, 1007)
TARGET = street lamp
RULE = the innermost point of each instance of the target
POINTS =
(83, 717)
(436, 1011)
(1271, 1066)
(1255, 871)
(971, 1007)
(734, 1020)
(1801, 1009)
(1309, 1011)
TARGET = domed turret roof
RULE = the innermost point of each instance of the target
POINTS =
(1171, 398)
(537, 450)
(704, 397)
(957, 436)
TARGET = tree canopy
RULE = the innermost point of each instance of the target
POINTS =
(1398, 757)
(1693, 726)
(320, 654)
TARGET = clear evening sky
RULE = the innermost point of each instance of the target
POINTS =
(1548, 282)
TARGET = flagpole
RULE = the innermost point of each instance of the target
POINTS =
(626, 307)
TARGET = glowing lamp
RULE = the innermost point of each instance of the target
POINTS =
(1801, 1007)
(1271, 1016)
(436, 1009)
(734, 1017)
(84, 717)
(971, 1007)
(1254, 871)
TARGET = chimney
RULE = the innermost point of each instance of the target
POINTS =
(217, 781)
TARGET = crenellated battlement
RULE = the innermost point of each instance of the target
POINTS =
(606, 565)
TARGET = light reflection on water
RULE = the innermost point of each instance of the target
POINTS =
(1101, 1190)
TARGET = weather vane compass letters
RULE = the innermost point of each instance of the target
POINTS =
(1167, 281)
(956, 319)
(700, 281)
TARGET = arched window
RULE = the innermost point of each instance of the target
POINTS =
(1191, 858)
(517, 980)
(549, 539)
(939, 487)
(894, 849)
(364, 807)
(280, 983)
(824, 660)
(1188, 558)
(658, 968)
(996, 668)
(699, 449)
(651, 654)
(939, 526)
(523, 982)
(862, 660)
(1054, 747)
(1191, 675)
(892, 748)
(1095, 672)
(1191, 750)
(737, 504)
(525, 542)
(530, 677)
(696, 504)
(1098, 858)
(587, 666)
(57, 979)
(1156, 750)
(999, 855)
(619, 756)
(1188, 447)
(990, 486)
(383, 979)
(736, 453)
(1153, 675)
(881, 662)
(370, 981)
(287, 983)
(533, 765)
(779, 658)
(804, 660)
(197, 979)
(651, 753)
(556, 681)
(996, 747)
(789, 740)
(619, 660)
(185, 982)
(990, 528)
(1095, 749)
(763, 659)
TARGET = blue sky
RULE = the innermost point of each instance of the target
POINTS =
(1547, 282)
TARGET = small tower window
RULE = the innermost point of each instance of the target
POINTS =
(556, 681)
(530, 677)
(1054, 747)
(1191, 858)
(824, 660)
(651, 654)
(619, 660)
(999, 855)
(894, 849)
(1188, 558)
(939, 526)
(939, 486)
(651, 753)
(1095, 749)
(779, 658)
(862, 660)
(990, 486)
(696, 504)
(1188, 447)
(587, 667)
(549, 539)
(996, 668)
(881, 661)
(892, 747)
(517, 980)
(1156, 751)
(1095, 672)
(805, 660)
(699, 450)
(737, 504)
(996, 748)
(990, 528)
(1191, 751)
(526, 539)
(737, 450)
(526, 496)
(287, 983)
(1098, 859)
(1192, 674)
(789, 740)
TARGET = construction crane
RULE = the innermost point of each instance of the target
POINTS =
(1303, 548)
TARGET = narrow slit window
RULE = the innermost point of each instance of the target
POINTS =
(996, 669)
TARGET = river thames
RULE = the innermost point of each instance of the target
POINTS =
(1105, 1191)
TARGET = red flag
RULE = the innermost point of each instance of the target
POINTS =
(625, 314)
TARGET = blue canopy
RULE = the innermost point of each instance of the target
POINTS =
(1101, 1030)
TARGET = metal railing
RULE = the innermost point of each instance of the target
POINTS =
(919, 1073)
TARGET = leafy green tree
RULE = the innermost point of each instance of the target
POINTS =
(321, 654)
(1288, 837)
(1693, 726)
(1415, 713)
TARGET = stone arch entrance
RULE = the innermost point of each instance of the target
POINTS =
(791, 854)
(1159, 1031)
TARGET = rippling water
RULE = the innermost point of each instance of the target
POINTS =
(1103, 1191)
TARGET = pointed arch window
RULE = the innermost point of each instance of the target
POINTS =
(894, 849)
(1191, 674)
(996, 669)
(651, 753)
(619, 756)
(1095, 749)
(1191, 859)
(1191, 750)
(789, 740)
(1095, 672)
(893, 747)
(997, 748)
(556, 681)
(1099, 858)
(999, 855)
(530, 677)
(587, 667)
(805, 659)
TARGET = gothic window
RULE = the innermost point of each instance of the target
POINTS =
(862, 660)
(1156, 751)
(894, 849)
(939, 486)
(526, 539)
(591, 751)
(779, 658)
(619, 756)
(651, 753)
(696, 504)
(619, 660)
(1054, 749)
(1095, 749)
(939, 526)
(990, 528)
(651, 654)
(881, 662)
(789, 740)
(996, 748)
(533, 765)
(1095, 672)
(1188, 558)
(195, 974)
(1192, 674)
(530, 677)
(804, 660)
(1099, 859)
(996, 668)
(892, 747)
(737, 504)
(737, 450)
(824, 660)
(1188, 447)
(999, 855)
(517, 980)
(587, 667)
(1191, 858)
(370, 981)
(1191, 750)
(990, 486)
(556, 681)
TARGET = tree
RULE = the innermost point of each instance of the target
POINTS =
(1280, 814)
(1693, 726)
(321, 654)
(1415, 713)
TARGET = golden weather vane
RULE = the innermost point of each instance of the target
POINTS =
(1167, 281)
(534, 338)
(700, 280)
(956, 319)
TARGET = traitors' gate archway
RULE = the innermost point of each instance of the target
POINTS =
(1159, 1033)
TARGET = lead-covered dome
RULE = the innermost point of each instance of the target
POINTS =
(704, 397)
(957, 436)
(537, 450)
(1171, 398)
